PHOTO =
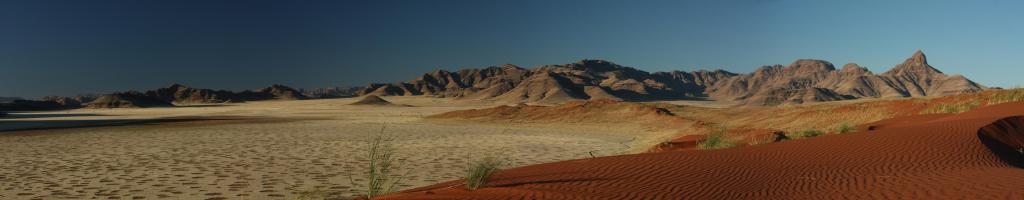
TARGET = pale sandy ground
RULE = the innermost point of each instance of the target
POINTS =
(277, 149)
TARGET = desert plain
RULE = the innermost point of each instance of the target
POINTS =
(272, 149)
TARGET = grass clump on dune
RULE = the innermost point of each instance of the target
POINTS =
(717, 140)
(383, 167)
(845, 128)
(479, 171)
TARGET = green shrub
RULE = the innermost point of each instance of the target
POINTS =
(717, 140)
(845, 128)
(479, 171)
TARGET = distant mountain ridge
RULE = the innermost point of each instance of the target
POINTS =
(803, 81)
(177, 94)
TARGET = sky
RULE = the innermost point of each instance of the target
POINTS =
(69, 47)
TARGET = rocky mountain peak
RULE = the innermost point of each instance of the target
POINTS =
(918, 57)
(917, 64)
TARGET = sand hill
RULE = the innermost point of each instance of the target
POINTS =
(129, 99)
(924, 156)
(803, 81)
(372, 100)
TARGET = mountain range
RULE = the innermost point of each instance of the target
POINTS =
(803, 81)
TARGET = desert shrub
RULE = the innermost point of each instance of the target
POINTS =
(479, 171)
(717, 139)
(1013, 95)
(383, 167)
(845, 128)
(808, 133)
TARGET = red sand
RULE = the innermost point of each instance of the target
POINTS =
(973, 155)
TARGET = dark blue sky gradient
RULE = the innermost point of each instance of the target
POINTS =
(70, 47)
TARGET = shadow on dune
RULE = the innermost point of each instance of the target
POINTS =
(1005, 138)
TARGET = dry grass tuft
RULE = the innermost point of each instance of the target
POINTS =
(718, 139)
(479, 171)
(952, 108)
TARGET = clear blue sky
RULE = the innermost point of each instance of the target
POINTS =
(69, 47)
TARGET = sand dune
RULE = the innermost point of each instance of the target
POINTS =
(973, 155)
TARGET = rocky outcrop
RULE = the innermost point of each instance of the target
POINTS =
(803, 81)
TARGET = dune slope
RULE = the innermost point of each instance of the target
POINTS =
(973, 155)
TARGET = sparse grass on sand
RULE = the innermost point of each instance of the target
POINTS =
(479, 171)
(717, 139)
(808, 133)
(383, 166)
(952, 108)
(1012, 95)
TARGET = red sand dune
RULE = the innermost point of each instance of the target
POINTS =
(973, 155)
